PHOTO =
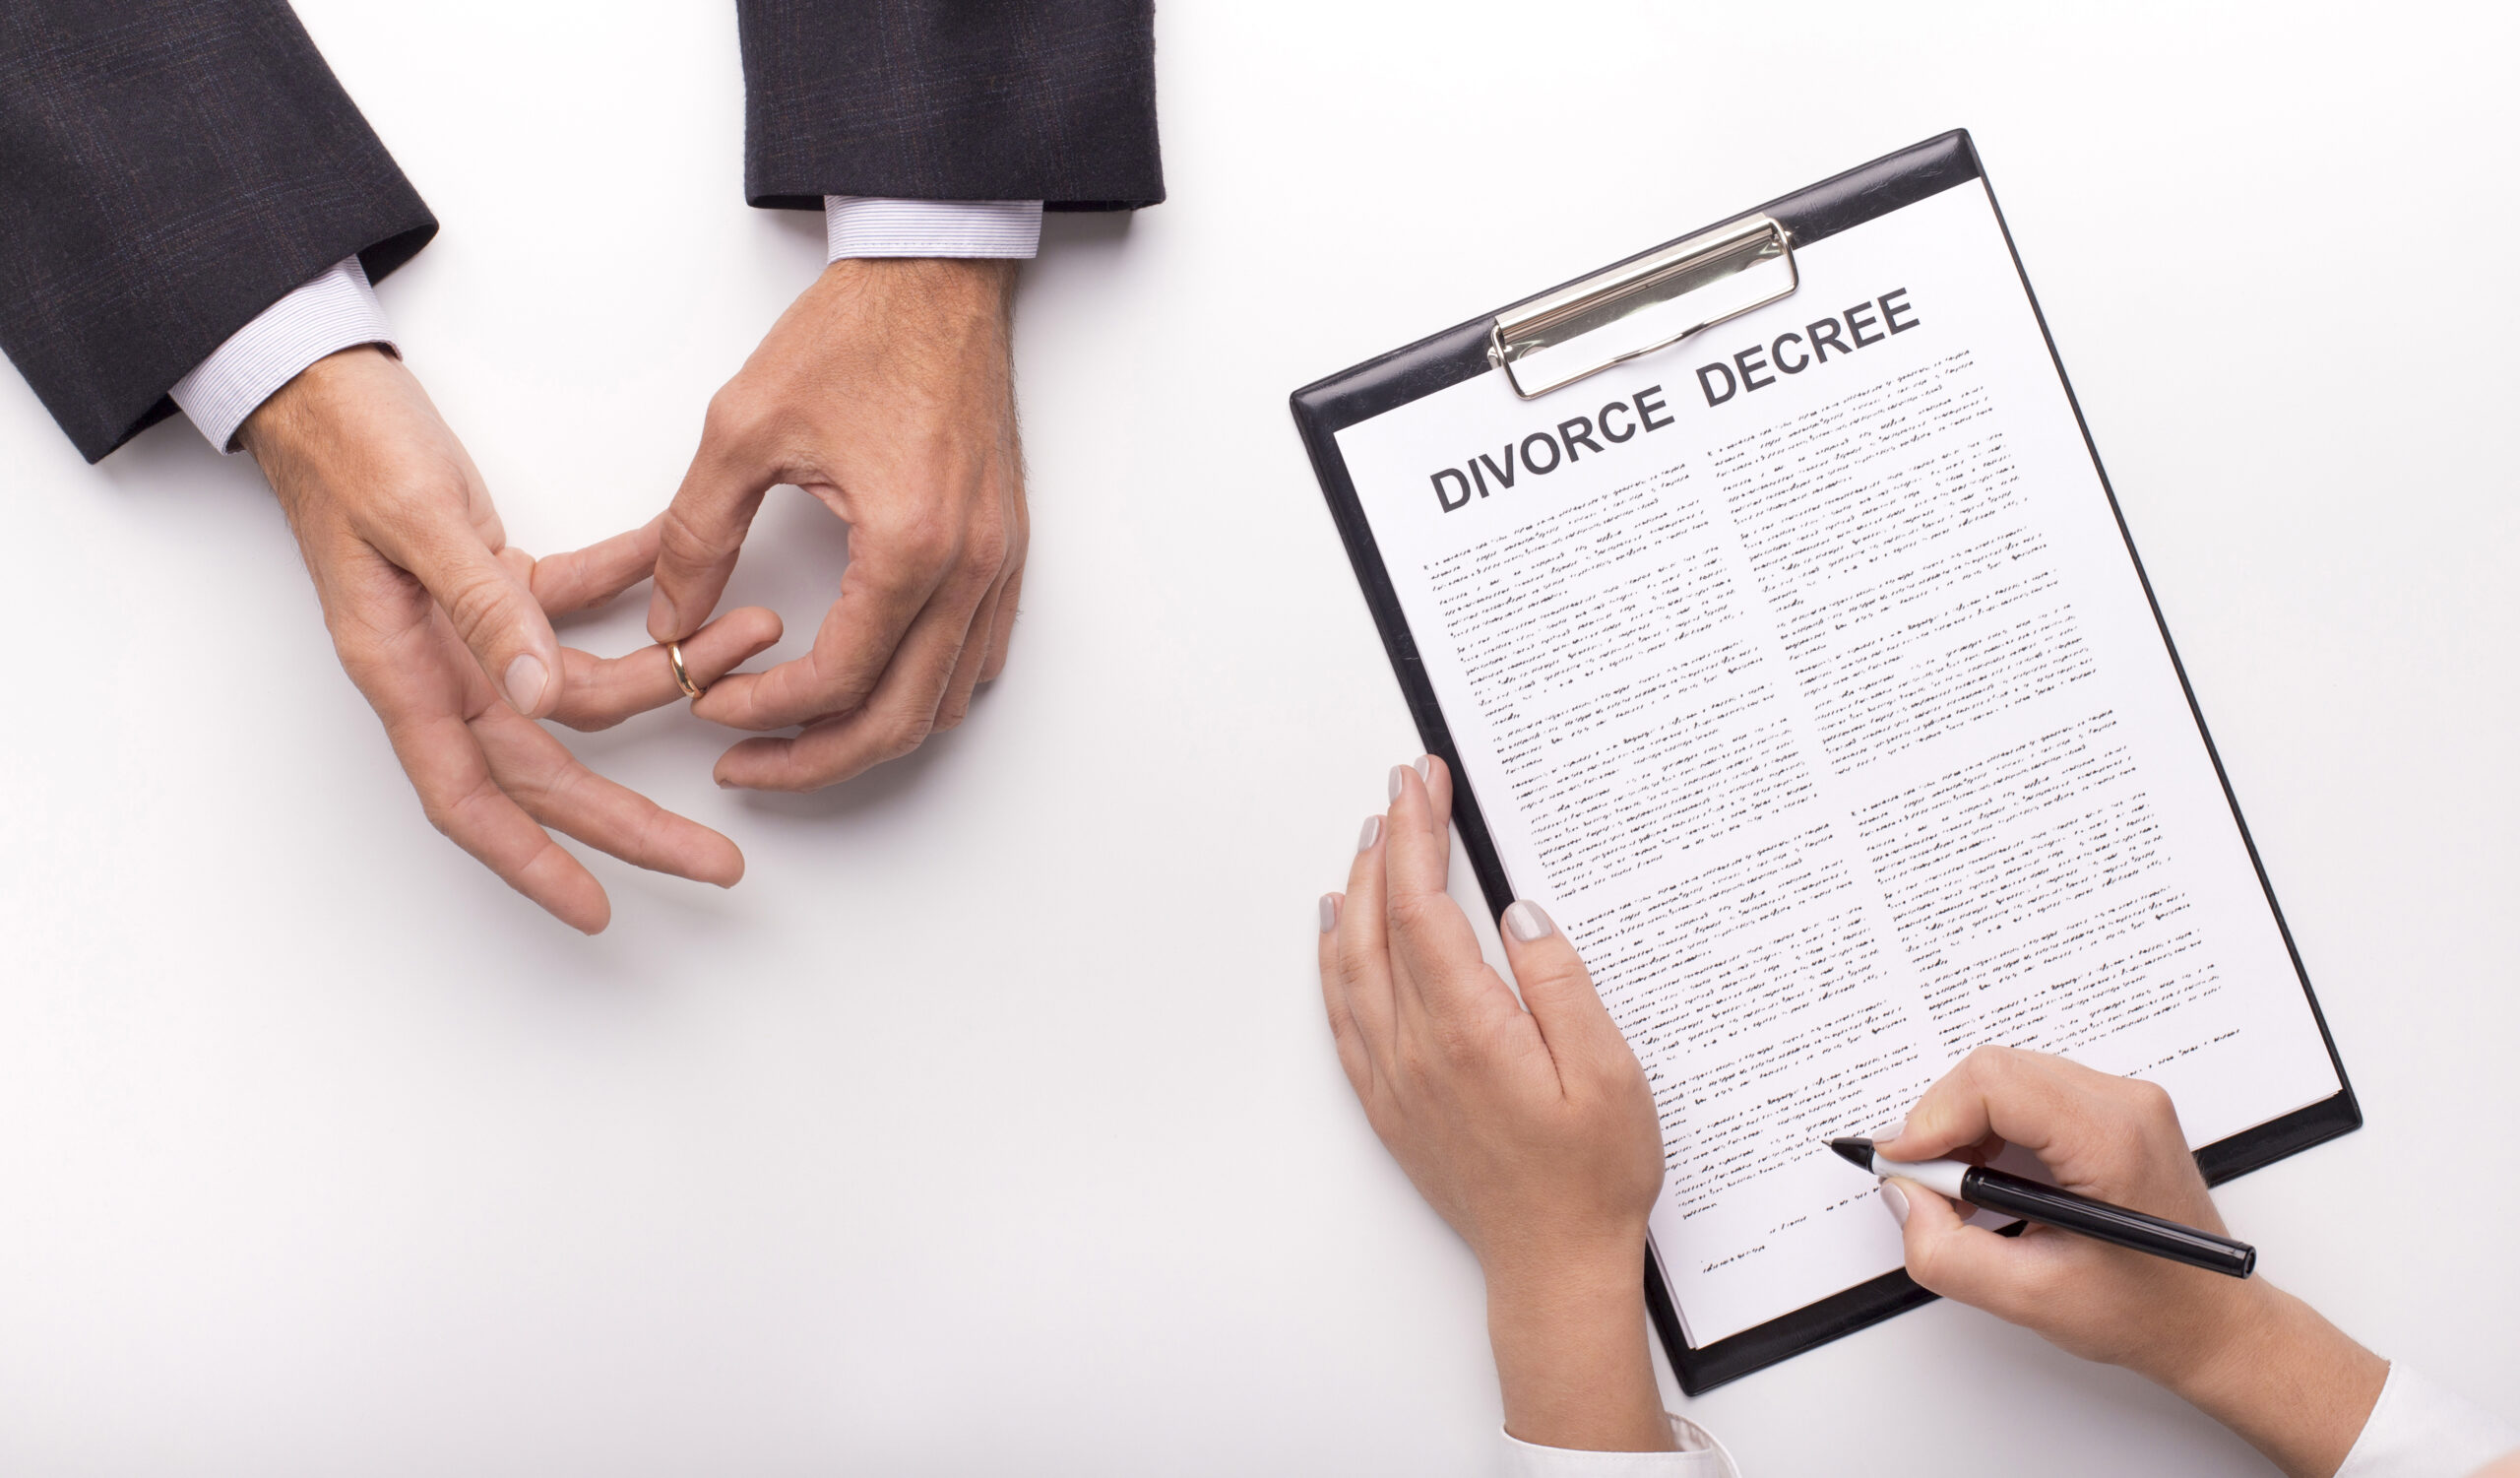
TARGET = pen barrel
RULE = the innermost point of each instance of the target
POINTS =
(2012, 1195)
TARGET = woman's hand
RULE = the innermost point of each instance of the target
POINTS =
(2253, 1357)
(1532, 1132)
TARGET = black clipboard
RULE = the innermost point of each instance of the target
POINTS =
(1326, 406)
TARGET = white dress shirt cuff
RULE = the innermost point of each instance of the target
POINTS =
(1700, 1456)
(332, 313)
(855, 226)
(2417, 1430)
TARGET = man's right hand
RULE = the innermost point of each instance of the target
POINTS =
(445, 628)
(887, 391)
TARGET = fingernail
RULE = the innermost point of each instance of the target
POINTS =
(1896, 1200)
(1527, 923)
(1329, 912)
(1371, 834)
(1397, 771)
(1897, 1128)
(525, 677)
(661, 617)
(1425, 768)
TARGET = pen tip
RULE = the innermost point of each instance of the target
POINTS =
(1857, 1152)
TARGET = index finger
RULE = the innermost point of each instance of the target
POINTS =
(580, 578)
(700, 532)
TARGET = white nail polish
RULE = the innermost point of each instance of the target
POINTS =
(1897, 1126)
(1371, 835)
(1396, 772)
(1329, 912)
(525, 677)
(1896, 1200)
(1525, 921)
(1425, 768)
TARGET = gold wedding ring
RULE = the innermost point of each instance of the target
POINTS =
(681, 675)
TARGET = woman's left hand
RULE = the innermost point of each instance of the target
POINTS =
(1531, 1131)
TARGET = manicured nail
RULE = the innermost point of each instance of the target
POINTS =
(1329, 912)
(526, 678)
(1371, 835)
(661, 617)
(1896, 1200)
(1425, 768)
(1396, 772)
(1527, 923)
(1897, 1128)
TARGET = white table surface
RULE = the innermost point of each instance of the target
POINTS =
(990, 1125)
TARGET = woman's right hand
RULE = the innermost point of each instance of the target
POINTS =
(2115, 1139)
(2251, 1355)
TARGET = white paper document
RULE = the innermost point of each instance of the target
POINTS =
(1802, 672)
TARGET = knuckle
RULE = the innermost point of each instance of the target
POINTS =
(986, 550)
(1458, 1043)
(478, 602)
(734, 416)
(2152, 1102)
(899, 735)
(679, 541)
(407, 499)
(1987, 1060)
(1416, 913)
(446, 813)
(925, 546)
(1358, 962)
(1617, 1074)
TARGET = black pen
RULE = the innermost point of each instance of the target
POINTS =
(2012, 1195)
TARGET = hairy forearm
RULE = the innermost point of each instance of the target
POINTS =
(2290, 1382)
(1572, 1360)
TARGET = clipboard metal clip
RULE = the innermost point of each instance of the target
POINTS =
(1637, 307)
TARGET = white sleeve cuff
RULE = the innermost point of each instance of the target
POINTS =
(332, 313)
(2417, 1430)
(1700, 1456)
(855, 226)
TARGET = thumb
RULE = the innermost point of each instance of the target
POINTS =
(492, 607)
(1947, 1256)
(701, 533)
(1559, 991)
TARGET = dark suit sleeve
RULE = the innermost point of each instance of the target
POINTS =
(169, 168)
(951, 99)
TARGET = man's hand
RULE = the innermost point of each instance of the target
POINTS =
(1531, 1131)
(886, 390)
(444, 628)
(2247, 1354)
